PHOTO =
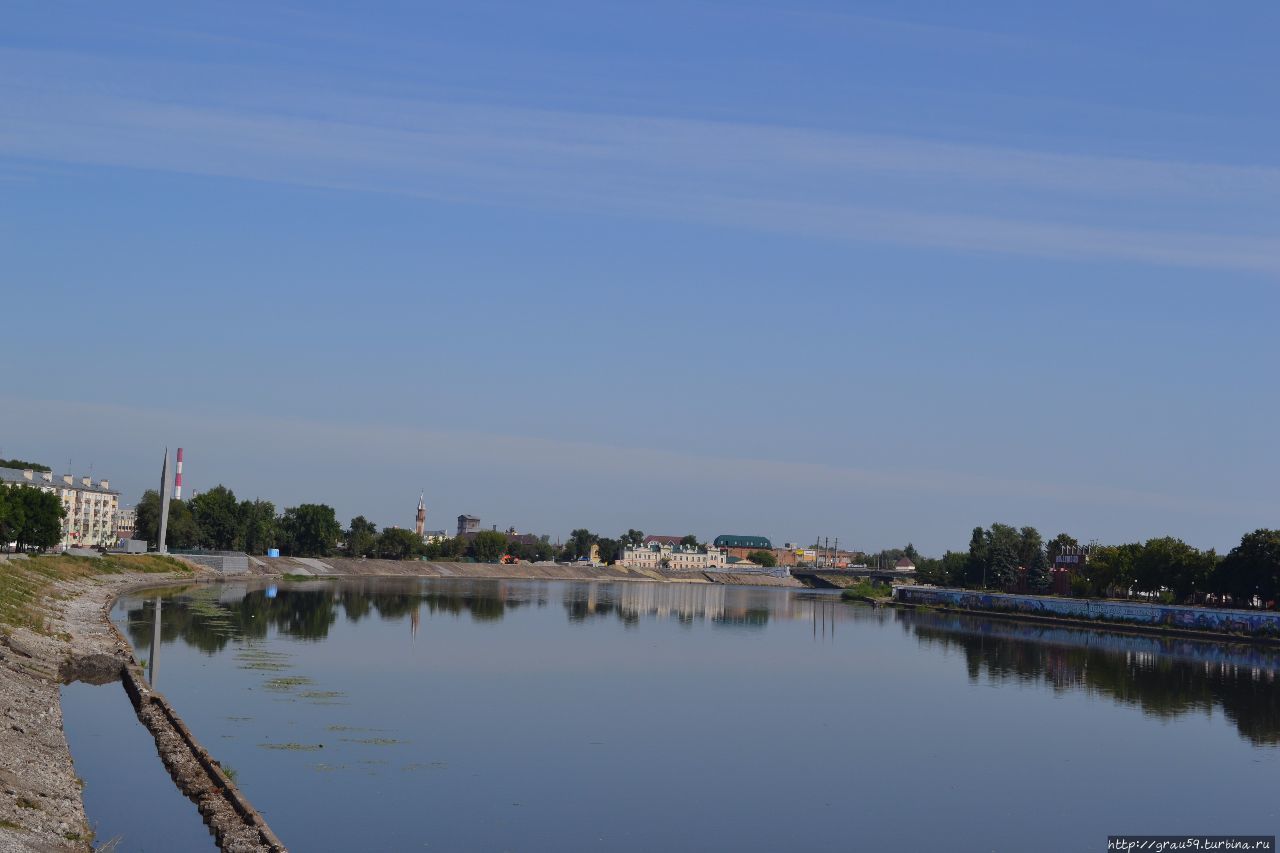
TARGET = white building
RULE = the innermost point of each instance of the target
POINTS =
(664, 555)
(89, 508)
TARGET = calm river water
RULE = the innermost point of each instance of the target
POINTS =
(412, 714)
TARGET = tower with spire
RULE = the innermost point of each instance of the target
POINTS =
(421, 523)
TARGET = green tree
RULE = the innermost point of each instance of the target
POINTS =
(579, 545)
(33, 518)
(976, 566)
(763, 558)
(147, 523)
(1038, 572)
(217, 517)
(955, 566)
(259, 527)
(397, 544)
(633, 537)
(20, 465)
(362, 537)
(689, 541)
(912, 554)
(610, 550)
(1252, 569)
(310, 530)
(1058, 545)
(449, 549)
(1002, 556)
(1030, 543)
(183, 531)
(488, 546)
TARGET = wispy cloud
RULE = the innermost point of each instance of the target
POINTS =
(346, 452)
(819, 183)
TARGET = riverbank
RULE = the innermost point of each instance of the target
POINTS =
(1220, 625)
(347, 567)
(54, 629)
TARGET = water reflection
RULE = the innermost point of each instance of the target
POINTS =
(1164, 677)
(209, 617)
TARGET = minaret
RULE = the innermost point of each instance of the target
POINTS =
(421, 524)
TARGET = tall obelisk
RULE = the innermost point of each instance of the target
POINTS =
(166, 492)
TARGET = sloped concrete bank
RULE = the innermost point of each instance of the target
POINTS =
(348, 567)
(41, 806)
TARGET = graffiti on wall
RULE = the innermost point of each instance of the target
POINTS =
(1244, 622)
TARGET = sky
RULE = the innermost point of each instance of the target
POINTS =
(876, 271)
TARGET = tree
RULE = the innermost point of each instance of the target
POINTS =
(182, 530)
(30, 517)
(1002, 556)
(1030, 543)
(610, 549)
(20, 465)
(1038, 572)
(763, 558)
(449, 549)
(1057, 545)
(310, 530)
(579, 545)
(633, 537)
(488, 546)
(395, 543)
(976, 566)
(689, 541)
(1252, 569)
(362, 537)
(217, 517)
(259, 527)
(912, 554)
(147, 522)
(955, 566)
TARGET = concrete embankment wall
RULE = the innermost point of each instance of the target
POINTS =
(345, 566)
(1247, 623)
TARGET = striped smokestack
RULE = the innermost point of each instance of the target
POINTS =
(177, 478)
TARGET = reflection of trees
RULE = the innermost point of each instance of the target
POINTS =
(200, 620)
(1164, 677)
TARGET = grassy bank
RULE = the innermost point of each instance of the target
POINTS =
(25, 582)
(866, 589)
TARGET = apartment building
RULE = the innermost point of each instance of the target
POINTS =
(89, 508)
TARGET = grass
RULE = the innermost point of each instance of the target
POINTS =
(8, 824)
(229, 771)
(867, 589)
(26, 584)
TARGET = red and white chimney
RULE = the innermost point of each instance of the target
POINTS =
(177, 478)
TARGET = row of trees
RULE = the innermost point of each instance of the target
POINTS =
(30, 517)
(217, 520)
(1165, 567)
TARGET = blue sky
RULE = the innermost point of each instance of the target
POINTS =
(876, 271)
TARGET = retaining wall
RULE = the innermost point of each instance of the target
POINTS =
(1250, 623)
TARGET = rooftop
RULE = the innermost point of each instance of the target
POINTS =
(18, 476)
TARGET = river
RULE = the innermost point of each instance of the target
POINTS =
(454, 715)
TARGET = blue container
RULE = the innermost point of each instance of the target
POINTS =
(273, 552)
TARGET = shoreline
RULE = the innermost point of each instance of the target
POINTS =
(41, 801)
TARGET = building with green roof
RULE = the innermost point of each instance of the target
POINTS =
(729, 540)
